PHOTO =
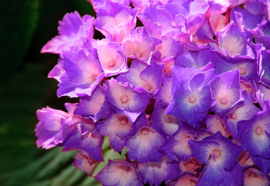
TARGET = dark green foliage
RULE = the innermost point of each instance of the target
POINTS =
(17, 23)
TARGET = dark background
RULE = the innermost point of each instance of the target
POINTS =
(25, 26)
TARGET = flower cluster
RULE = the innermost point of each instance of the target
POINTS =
(181, 86)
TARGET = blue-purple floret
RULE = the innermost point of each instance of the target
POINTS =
(180, 97)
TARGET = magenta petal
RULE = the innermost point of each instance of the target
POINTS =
(73, 31)
(234, 43)
(111, 62)
(53, 127)
(82, 73)
(139, 45)
(116, 19)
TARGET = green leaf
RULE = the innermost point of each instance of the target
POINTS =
(17, 23)
(108, 155)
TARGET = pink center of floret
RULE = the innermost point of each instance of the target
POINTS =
(189, 138)
(145, 131)
(111, 63)
(216, 153)
(147, 87)
(259, 130)
(124, 99)
(192, 99)
(94, 77)
(123, 121)
(223, 100)
(168, 119)
(242, 70)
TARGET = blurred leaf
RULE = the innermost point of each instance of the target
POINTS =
(17, 22)
(108, 155)
(19, 100)
(106, 143)
(24, 88)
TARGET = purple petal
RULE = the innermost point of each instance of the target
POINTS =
(233, 43)
(144, 145)
(82, 73)
(167, 124)
(244, 110)
(125, 99)
(255, 177)
(199, 59)
(73, 31)
(157, 21)
(94, 106)
(262, 163)
(53, 127)
(192, 97)
(154, 173)
(111, 62)
(85, 163)
(164, 93)
(89, 142)
(255, 134)
(116, 19)
(139, 45)
(177, 147)
(226, 91)
(118, 173)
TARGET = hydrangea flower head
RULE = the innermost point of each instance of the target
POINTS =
(177, 91)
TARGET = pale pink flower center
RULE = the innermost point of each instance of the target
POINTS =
(242, 70)
(168, 118)
(192, 99)
(147, 87)
(145, 131)
(223, 101)
(259, 130)
(123, 121)
(94, 77)
(217, 153)
(111, 63)
(124, 99)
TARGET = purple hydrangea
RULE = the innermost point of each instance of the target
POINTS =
(182, 95)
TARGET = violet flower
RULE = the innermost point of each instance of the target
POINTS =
(183, 94)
